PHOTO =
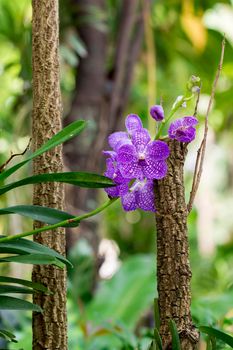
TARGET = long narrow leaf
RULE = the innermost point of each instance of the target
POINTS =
(208, 344)
(6, 288)
(87, 180)
(25, 246)
(39, 213)
(158, 339)
(213, 343)
(65, 134)
(226, 338)
(11, 303)
(36, 259)
(7, 335)
(175, 336)
(34, 285)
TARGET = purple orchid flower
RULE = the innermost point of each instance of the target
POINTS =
(135, 157)
(113, 173)
(183, 129)
(143, 157)
(117, 139)
(140, 195)
(157, 113)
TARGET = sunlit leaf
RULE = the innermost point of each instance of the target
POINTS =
(64, 135)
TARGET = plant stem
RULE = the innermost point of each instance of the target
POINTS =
(61, 223)
(184, 98)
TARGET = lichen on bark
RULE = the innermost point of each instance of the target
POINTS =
(173, 267)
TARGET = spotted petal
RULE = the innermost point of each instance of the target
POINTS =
(140, 139)
(113, 172)
(117, 139)
(118, 190)
(186, 136)
(110, 168)
(133, 123)
(145, 197)
(129, 201)
(190, 121)
(130, 170)
(126, 154)
(155, 169)
(111, 154)
(176, 124)
(157, 150)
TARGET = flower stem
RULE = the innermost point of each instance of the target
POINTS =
(173, 111)
(61, 223)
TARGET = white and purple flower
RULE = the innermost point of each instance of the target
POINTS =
(134, 156)
(135, 160)
(139, 196)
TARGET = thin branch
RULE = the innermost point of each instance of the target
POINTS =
(197, 101)
(13, 155)
(201, 151)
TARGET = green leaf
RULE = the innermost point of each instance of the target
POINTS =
(11, 303)
(158, 339)
(127, 294)
(36, 259)
(7, 335)
(39, 213)
(34, 285)
(208, 344)
(64, 135)
(6, 288)
(88, 180)
(153, 346)
(175, 336)
(213, 332)
(25, 246)
(213, 343)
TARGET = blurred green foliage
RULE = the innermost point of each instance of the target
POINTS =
(187, 40)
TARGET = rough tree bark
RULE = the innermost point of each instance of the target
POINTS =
(173, 268)
(49, 328)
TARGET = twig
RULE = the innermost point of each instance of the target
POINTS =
(15, 155)
(201, 151)
(197, 101)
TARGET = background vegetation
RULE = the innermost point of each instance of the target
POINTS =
(111, 289)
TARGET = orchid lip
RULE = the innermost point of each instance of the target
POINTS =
(141, 156)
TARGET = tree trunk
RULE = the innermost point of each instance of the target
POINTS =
(99, 97)
(173, 268)
(49, 328)
(84, 152)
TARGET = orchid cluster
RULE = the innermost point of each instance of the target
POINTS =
(135, 160)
